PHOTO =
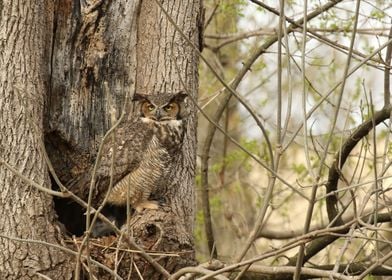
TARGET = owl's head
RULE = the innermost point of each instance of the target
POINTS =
(160, 107)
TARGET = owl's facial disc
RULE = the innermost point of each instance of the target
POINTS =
(170, 111)
(148, 110)
(159, 113)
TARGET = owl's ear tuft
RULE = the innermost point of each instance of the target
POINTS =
(139, 97)
(180, 96)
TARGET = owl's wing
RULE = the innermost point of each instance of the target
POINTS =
(129, 144)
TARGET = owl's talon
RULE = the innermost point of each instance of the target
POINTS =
(150, 204)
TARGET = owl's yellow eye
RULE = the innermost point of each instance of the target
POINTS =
(169, 107)
(150, 107)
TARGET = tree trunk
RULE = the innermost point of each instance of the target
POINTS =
(65, 69)
(101, 50)
(160, 50)
(26, 212)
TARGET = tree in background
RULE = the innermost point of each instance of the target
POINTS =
(294, 144)
(306, 181)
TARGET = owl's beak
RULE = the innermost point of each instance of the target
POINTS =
(158, 115)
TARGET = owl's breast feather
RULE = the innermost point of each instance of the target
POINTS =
(173, 123)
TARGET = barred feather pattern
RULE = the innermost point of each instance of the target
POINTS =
(154, 167)
(145, 149)
(140, 183)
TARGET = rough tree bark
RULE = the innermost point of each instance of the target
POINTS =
(26, 212)
(64, 67)
(100, 49)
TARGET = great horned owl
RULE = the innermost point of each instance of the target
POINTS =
(162, 121)
(143, 150)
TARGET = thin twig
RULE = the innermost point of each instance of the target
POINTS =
(43, 276)
(315, 235)
(313, 31)
(32, 183)
(387, 90)
(334, 175)
(344, 248)
(289, 80)
(89, 224)
(211, 16)
(272, 31)
(306, 271)
(130, 241)
(341, 157)
(374, 159)
(311, 203)
(289, 234)
(64, 249)
(271, 181)
(230, 88)
(375, 265)
(332, 90)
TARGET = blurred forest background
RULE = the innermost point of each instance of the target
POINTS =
(294, 134)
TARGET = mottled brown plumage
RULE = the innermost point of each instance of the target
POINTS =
(143, 150)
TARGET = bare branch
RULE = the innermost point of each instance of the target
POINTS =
(353, 70)
(32, 183)
(313, 32)
(341, 157)
(316, 177)
(128, 239)
(69, 251)
(387, 90)
(281, 271)
(211, 16)
(378, 263)
(267, 197)
(318, 244)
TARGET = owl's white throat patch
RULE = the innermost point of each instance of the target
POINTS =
(173, 123)
(147, 120)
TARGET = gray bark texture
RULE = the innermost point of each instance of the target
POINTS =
(65, 69)
(101, 50)
(26, 214)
